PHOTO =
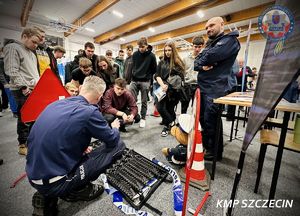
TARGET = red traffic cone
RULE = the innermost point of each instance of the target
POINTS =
(199, 177)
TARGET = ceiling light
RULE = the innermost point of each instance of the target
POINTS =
(90, 29)
(151, 29)
(122, 39)
(200, 14)
(118, 14)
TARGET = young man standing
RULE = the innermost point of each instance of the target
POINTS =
(21, 66)
(88, 53)
(43, 52)
(119, 103)
(128, 64)
(120, 61)
(109, 56)
(190, 80)
(57, 53)
(144, 67)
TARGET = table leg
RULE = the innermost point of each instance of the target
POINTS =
(237, 123)
(232, 125)
(286, 118)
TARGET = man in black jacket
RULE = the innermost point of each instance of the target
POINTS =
(144, 66)
(128, 64)
(89, 50)
(214, 66)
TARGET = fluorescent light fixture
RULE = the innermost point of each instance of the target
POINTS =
(122, 39)
(151, 29)
(200, 14)
(118, 14)
(90, 29)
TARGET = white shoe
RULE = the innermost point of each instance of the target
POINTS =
(142, 123)
(1, 114)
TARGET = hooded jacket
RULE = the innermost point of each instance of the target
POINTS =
(78, 57)
(144, 65)
(221, 54)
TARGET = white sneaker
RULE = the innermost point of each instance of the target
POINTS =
(1, 114)
(142, 123)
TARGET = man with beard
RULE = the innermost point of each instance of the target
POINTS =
(214, 65)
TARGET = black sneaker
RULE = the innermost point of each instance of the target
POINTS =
(43, 206)
(88, 193)
(122, 129)
(165, 132)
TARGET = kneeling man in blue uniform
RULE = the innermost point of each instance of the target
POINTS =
(57, 165)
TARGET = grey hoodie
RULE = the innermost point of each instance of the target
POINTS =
(20, 65)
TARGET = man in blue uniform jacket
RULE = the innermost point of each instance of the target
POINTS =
(214, 65)
(57, 165)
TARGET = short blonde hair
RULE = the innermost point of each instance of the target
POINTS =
(85, 62)
(70, 85)
(93, 84)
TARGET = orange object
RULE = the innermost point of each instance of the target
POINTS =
(46, 91)
(194, 172)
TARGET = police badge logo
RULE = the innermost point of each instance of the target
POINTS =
(276, 23)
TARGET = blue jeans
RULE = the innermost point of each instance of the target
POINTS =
(11, 99)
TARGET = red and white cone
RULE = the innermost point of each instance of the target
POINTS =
(199, 177)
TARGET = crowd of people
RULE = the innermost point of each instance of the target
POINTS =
(104, 93)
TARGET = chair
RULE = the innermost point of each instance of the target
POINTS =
(271, 137)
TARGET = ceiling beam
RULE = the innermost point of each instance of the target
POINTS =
(94, 11)
(253, 37)
(184, 13)
(25, 11)
(235, 17)
(189, 39)
(147, 19)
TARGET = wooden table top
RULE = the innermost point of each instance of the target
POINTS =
(245, 99)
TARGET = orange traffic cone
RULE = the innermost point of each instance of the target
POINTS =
(200, 177)
(156, 113)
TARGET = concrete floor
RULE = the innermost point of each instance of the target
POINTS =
(17, 201)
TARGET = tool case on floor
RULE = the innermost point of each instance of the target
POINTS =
(136, 177)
